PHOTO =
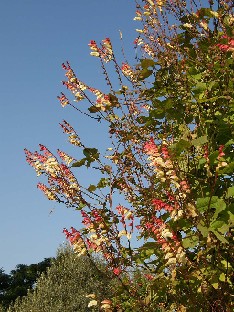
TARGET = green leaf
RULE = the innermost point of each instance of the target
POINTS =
(91, 153)
(231, 218)
(222, 226)
(219, 206)
(145, 63)
(103, 182)
(213, 157)
(201, 163)
(204, 12)
(200, 87)
(142, 119)
(145, 73)
(148, 245)
(79, 163)
(180, 146)
(199, 141)
(216, 224)
(149, 252)
(204, 230)
(80, 206)
(94, 109)
(220, 237)
(190, 242)
(114, 100)
(158, 113)
(215, 285)
(91, 188)
(229, 169)
(213, 99)
(230, 192)
(206, 202)
(196, 76)
(224, 278)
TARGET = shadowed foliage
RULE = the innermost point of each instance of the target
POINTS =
(20, 280)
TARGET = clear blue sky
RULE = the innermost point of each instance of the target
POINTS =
(36, 37)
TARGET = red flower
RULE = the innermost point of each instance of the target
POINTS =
(66, 66)
(165, 152)
(159, 204)
(150, 147)
(67, 233)
(149, 277)
(227, 47)
(117, 271)
(221, 153)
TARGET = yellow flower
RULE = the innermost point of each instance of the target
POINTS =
(73, 139)
(106, 305)
(137, 18)
(92, 303)
(94, 54)
(92, 296)
(78, 96)
(187, 25)
(50, 195)
(214, 13)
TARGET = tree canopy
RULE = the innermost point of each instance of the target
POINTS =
(20, 280)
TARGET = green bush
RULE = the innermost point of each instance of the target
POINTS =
(65, 285)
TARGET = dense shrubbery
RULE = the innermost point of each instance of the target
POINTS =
(65, 286)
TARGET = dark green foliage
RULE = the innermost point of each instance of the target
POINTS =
(22, 278)
(4, 285)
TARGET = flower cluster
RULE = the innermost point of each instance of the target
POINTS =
(138, 16)
(159, 205)
(102, 235)
(156, 228)
(73, 138)
(153, 5)
(47, 191)
(78, 88)
(105, 304)
(102, 100)
(128, 72)
(63, 99)
(178, 189)
(126, 215)
(105, 52)
(229, 46)
(221, 162)
(65, 157)
(62, 182)
(163, 166)
(97, 233)
(73, 84)
(76, 240)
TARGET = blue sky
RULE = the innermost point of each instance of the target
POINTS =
(36, 37)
